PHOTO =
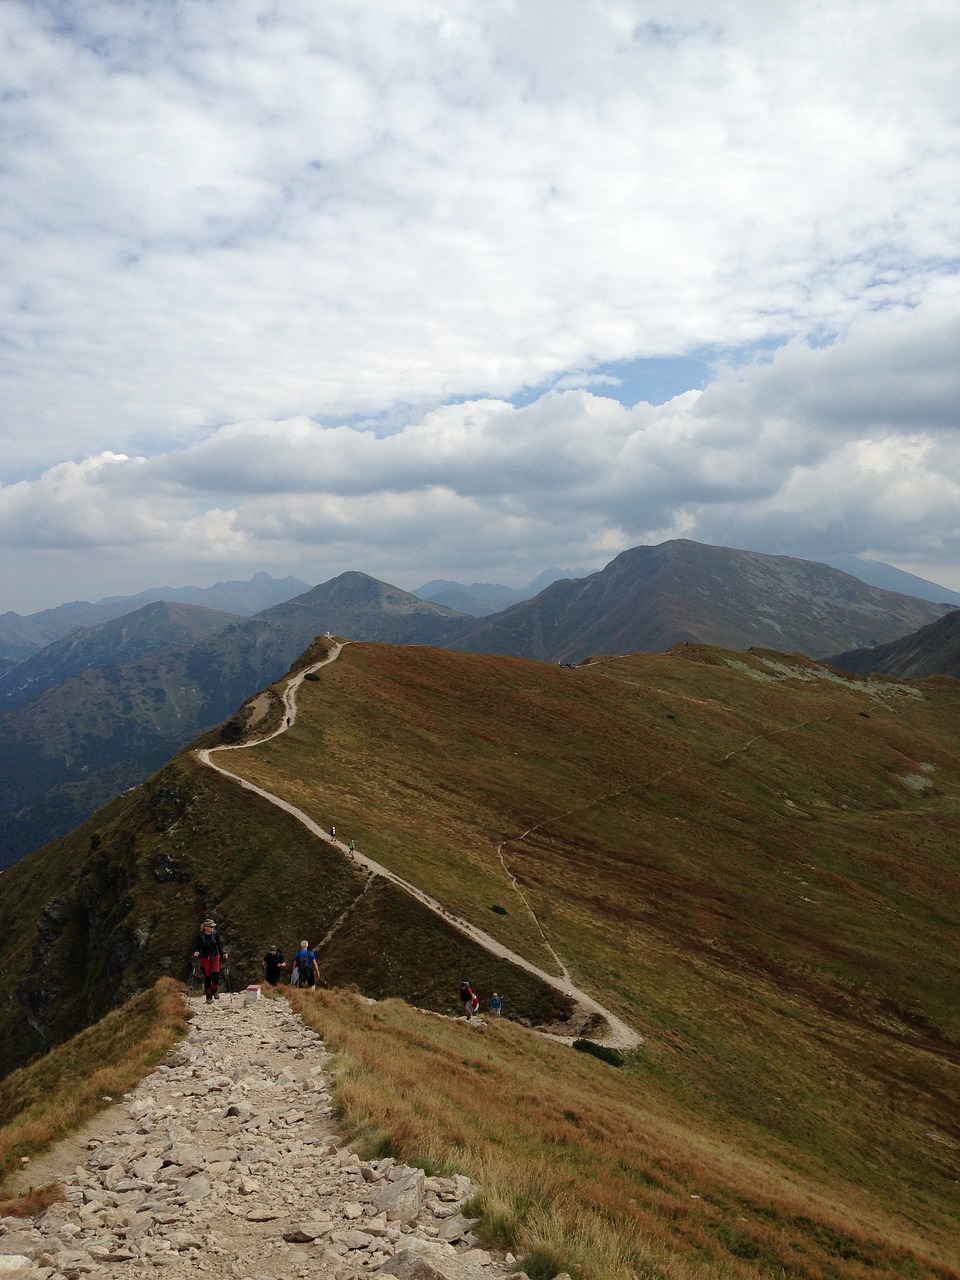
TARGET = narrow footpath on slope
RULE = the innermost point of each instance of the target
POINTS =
(621, 1035)
(223, 1162)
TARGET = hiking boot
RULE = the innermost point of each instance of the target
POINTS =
(216, 995)
(209, 999)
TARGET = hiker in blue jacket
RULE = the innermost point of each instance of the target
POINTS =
(307, 968)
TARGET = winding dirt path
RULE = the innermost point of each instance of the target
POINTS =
(621, 1035)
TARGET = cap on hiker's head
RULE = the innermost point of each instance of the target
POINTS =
(209, 924)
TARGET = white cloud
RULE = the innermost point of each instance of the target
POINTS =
(289, 217)
(794, 456)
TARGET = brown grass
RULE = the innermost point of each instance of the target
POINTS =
(577, 1166)
(53, 1097)
(32, 1202)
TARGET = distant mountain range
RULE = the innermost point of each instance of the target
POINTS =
(98, 711)
(22, 635)
(480, 599)
(110, 723)
(650, 598)
(152, 629)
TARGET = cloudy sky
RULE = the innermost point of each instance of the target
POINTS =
(429, 288)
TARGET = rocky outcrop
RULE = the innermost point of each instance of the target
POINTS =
(225, 1162)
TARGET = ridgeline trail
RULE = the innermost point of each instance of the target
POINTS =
(621, 1035)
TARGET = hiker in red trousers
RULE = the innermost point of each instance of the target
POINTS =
(209, 951)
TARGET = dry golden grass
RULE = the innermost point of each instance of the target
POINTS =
(32, 1202)
(53, 1097)
(580, 1170)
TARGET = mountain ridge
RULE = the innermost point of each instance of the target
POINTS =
(748, 854)
(649, 598)
(152, 629)
(23, 635)
(67, 751)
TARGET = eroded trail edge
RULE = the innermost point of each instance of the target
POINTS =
(621, 1035)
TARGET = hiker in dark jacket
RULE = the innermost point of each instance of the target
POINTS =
(273, 962)
(208, 949)
(466, 997)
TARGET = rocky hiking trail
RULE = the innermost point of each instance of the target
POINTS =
(621, 1035)
(224, 1162)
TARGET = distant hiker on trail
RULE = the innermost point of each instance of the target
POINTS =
(466, 997)
(307, 966)
(208, 949)
(273, 962)
(333, 833)
(496, 1004)
(351, 846)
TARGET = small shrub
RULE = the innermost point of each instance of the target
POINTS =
(601, 1051)
(543, 1264)
(232, 731)
(501, 911)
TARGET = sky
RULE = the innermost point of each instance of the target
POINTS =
(430, 289)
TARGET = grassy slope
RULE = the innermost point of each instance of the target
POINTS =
(584, 1168)
(730, 858)
(53, 1097)
(94, 917)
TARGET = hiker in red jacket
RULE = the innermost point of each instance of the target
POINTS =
(468, 1001)
(209, 951)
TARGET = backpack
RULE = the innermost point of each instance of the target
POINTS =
(304, 962)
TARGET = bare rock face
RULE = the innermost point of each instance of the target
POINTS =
(225, 1162)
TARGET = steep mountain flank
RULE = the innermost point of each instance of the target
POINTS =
(92, 918)
(82, 741)
(934, 650)
(152, 629)
(649, 598)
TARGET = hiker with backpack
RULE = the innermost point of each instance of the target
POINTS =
(468, 1001)
(209, 952)
(308, 970)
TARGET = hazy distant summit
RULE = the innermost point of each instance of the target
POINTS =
(147, 631)
(480, 599)
(650, 598)
(878, 574)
